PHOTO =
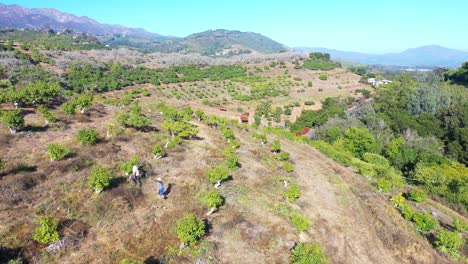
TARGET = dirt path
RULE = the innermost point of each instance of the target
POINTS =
(354, 222)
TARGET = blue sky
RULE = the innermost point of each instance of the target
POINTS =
(361, 25)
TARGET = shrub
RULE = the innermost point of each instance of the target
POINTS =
(158, 151)
(323, 77)
(407, 211)
(449, 243)
(13, 119)
(48, 116)
(335, 154)
(288, 111)
(69, 107)
(57, 151)
(460, 225)
(293, 192)
(358, 141)
(283, 156)
(309, 103)
(218, 174)
(234, 144)
(299, 222)
(384, 185)
(213, 199)
(289, 167)
(134, 118)
(398, 200)
(418, 195)
(190, 229)
(308, 253)
(376, 159)
(232, 160)
(276, 146)
(127, 167)
(309, 84)
(47, 231)
(424, 221)
(99, 178)
(114, 130)
(87, 137)
(227, 133)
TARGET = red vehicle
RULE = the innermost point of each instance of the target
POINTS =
(245, 117)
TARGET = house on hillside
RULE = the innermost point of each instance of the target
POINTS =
(374, 82)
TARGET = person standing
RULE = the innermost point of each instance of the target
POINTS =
(160, 185)
(135, 177)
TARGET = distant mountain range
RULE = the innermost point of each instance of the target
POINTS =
(15, 16)
(424, 56)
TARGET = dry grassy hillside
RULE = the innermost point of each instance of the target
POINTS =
(353, 222)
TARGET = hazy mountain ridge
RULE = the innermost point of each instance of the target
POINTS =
(424, 56)
(219, 42)
(16, 16)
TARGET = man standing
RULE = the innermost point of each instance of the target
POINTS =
(161, 188)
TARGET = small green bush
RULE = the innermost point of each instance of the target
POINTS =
(276, 146)
(212, 199)
(218, 174)
(289, 167)
(190, 229)
(308, 253)
(45, 112)
(87, 137)
(127, 167)
(293, 192)
(99, 178)
(283, 156)
(384, 185)
(57, 151)
(15, 261)
(424, 221)
(69, 107)
(418, 195)
(13, 119)
(47, 230)
(449, 243)
(407, 211)
(309, 103)
(332, 152)
(114, 130)
(460, 225)
(323, 77)
(158, 151)
(398, 200)
(299, 222)
(232, 160)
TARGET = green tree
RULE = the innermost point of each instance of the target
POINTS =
(449, 242)
(308, 253)
(57, 151)
(358, 141)
(134, 118)
(99, 178)
(190, 229)
(276, 146)
(13, 119)
(293, 192)
(218, 174)
(47, 230)
(87, 137)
